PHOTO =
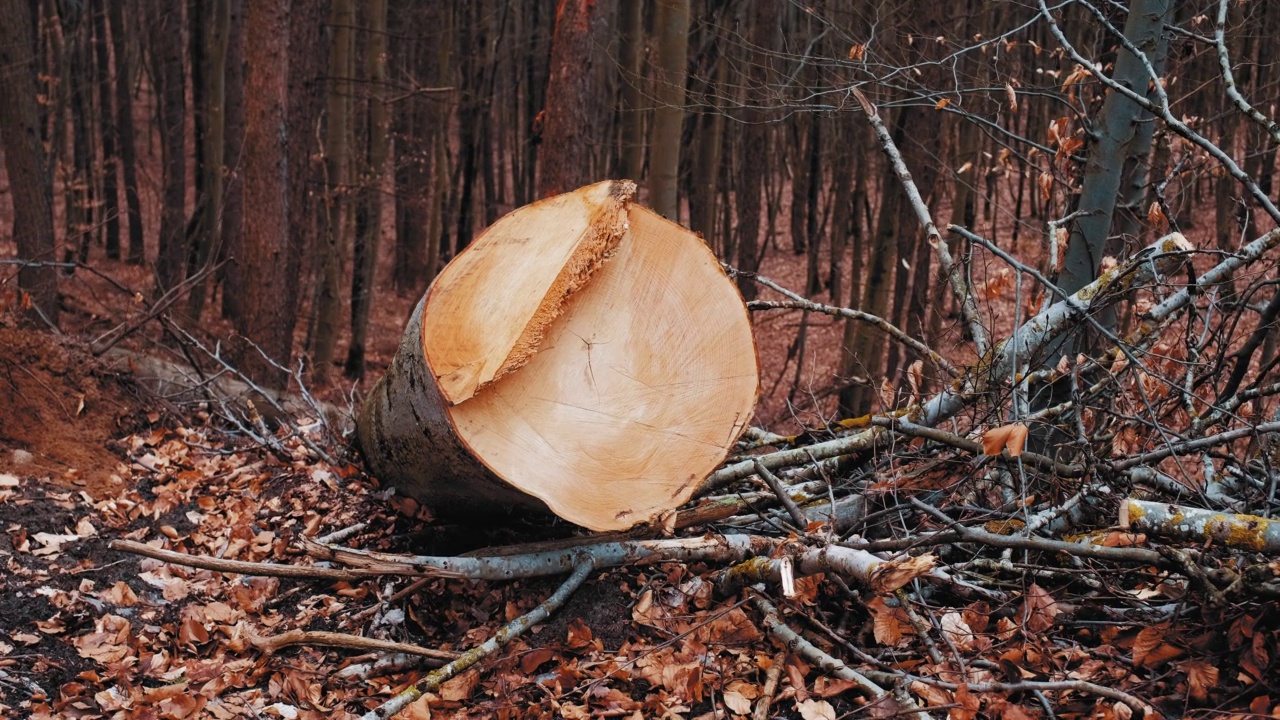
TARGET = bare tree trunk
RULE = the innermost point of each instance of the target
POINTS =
(414, 147)
(867, 342)
(631, 128)
(707, 160)
(369, 201)
(124, 126)
(571, 118)
(171, 105)
(1114, 132)
(108, 141)
(213, 140)
(672, 30)
(266, 312)
(755, 150)
(328, 310)
(232, 274)
(79, 187)
(24, 158)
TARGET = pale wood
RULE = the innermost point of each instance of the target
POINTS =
(605, 388)
(537, 257)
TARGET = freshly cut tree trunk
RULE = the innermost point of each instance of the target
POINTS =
(583, 354)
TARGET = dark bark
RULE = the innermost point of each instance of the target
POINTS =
(124, 126)
(328, 309)
(369, 200)
(107, 125)
(572, 116)
(631, 122)
(171, 107)
(266, 313)
(755, 143)
(232, 273)
(24, 157)
(672, 35)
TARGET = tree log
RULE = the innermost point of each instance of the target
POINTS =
(584, 355)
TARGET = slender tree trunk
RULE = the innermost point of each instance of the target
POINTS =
(107, 121)
(369, 201)
(213, 141)
(414, 148)
(79, 188)
(328, 311)
(1114, 132)
(631, 128)
(232, 273)
(124, 126)
(868, 342)
(266, 313)
(24, 158)
(754, 149)
(670, 74)
(572, 117)
(707, 160)
(171, 106)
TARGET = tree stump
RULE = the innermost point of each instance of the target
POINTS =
(583, 354)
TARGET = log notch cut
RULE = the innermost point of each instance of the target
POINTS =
(583, 354)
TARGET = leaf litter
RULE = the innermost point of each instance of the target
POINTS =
(86, 632)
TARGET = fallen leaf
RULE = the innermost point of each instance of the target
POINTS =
(737, 702)
(1201, 678)
(1011, 437)
(1039, 609)
(816, 710)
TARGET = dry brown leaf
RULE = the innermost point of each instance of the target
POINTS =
(1155, 215)
(579, 634)
(942, 103)
(1045, 181)
(736, 702)
(419, 709)
(1012, 437)
(1013, 97)
(887, 627)
(915, 378)
(857, 52)
(460, 688)
(931, 694)
(889, 576)
(1039, 609)
(1201, 678)
(830, 687)
(967, 704)
(959, 633)
(1150, 649)
(1078, 74)
(816, 710)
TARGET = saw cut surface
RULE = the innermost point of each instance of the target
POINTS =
(638, 389)
(488, 310)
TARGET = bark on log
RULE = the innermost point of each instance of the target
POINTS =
(583, 354)
(1234, 530)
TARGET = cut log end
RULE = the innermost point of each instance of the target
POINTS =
(628, 374)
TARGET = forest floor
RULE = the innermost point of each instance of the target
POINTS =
(87, 456)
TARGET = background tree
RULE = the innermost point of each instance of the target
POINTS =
(572, 118)
(266, 257)
(24, 158)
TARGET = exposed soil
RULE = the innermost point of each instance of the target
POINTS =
(61, 408)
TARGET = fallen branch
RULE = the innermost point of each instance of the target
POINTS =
(1233, 530)
(240, 567)
(274, 643)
